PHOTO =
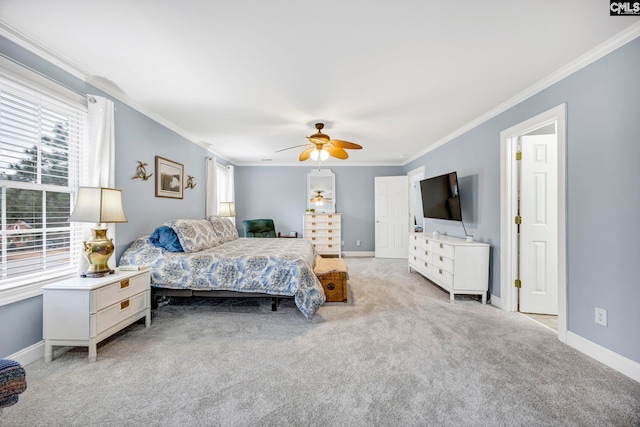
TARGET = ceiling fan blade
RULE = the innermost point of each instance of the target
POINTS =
(295, 146)
(337, 152)
(345, 144)
(306, 153)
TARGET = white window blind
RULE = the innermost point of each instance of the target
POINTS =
(40, 142)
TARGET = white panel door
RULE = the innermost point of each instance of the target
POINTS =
(391, 216)
(539, 229)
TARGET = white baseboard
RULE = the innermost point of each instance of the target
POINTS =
(612, 359)
(358, 254)
(495, 301)
(29, 355)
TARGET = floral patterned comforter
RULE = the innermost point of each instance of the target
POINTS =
(270, 266)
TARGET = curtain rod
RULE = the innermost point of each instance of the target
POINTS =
(89, 97)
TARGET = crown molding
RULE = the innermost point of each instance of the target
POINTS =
(622, 38)
(314, 165)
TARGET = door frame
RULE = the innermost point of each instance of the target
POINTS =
(508, 198)
(411, 177)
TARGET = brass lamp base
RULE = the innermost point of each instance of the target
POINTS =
(97, 251)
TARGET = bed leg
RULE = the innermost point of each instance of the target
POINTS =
(274, 304)
(154, 299)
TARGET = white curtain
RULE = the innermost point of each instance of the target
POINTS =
(211, 196)
(98, 166)
(230, 190)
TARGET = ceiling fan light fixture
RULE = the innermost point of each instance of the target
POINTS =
(319, 154)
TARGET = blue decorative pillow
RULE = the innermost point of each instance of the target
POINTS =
(165, 237)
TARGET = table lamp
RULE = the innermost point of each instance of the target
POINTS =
(227, 209)
(98, 205)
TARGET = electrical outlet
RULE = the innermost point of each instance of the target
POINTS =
(357, 242)
(601, 316)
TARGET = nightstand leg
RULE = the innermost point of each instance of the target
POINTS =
(48, 351)
(93, 350)
(147, 319)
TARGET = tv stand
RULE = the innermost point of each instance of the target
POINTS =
(457, 266)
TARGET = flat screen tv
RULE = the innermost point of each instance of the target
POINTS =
(440, 198)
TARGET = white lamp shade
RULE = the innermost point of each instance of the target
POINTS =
(324, 155)
(99, 205)
(314, 154)
(227, 209)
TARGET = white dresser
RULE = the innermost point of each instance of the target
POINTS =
(458, 266)
(324, 231)
(83, 311)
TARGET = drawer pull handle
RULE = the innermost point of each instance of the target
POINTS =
(313, 238)
(330, 223)
(329, 216)
(330, 231)
(441, 259)
(313, 216)
(414, 258)
(124, 304)
(426, 241)
(124, 284)
(441, 246)
(330, 246)
(415, 248)
(313, 223)
(426, 265)
(313, 231)
(440, 270)
(331, 286)
(426, 252)
(330, 238)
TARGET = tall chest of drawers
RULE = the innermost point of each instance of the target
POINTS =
(83, 311)
(324, 231)
(457, 266)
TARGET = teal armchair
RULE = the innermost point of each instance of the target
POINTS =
(259, 228)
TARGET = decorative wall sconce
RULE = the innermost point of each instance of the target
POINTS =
(190, 184)
(141, 172)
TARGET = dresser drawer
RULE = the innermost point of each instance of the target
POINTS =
(442, 276)
(118, 312)
(443, 262)
(441, 248)
(117, 291)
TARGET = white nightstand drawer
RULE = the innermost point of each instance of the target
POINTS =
(125, 288)
(118, 312)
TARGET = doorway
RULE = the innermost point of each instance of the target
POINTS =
(533, 216)
(391, 217)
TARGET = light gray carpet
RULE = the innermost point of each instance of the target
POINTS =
(398, 354)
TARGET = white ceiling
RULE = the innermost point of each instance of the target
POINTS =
(248, 77)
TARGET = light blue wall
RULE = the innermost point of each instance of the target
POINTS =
(280, 193)
(137, 138)
(603, 192)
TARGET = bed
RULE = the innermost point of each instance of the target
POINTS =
(206, 257)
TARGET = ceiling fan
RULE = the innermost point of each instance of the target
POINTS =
(319, 199)
(321, 146)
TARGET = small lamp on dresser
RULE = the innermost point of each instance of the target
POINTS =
(98, 205)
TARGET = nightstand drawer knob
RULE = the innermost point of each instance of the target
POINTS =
(441, 245)
(124, 304)
(441, 259)
(124, 284)
(331, 286)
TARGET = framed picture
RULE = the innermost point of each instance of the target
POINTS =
(169, 178)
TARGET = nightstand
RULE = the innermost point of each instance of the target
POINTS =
(82, 311)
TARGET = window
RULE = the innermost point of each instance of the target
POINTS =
(40, 140)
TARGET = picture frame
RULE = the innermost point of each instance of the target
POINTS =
(169, 178)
